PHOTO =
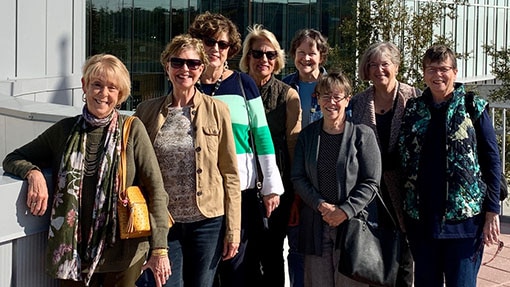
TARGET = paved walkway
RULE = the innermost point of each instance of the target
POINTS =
(497, 272)
(494, 274)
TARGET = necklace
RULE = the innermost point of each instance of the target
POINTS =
(216, 86)
(393, 101)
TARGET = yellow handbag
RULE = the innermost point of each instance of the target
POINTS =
(132, 210)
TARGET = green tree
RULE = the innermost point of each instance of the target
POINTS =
(409, 26)
(501, 69)
(500, 66)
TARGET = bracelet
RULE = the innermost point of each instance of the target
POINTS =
(160, 252)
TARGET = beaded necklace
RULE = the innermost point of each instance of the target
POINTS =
(216, 86)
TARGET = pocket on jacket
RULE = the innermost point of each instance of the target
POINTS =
(212, 134)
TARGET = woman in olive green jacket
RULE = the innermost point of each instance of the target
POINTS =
(84, 247)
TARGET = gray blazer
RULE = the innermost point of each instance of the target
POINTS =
(358, 172)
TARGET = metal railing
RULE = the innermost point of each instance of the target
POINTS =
(498, 113)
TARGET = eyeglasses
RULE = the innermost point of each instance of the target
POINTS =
(501, 244)
(257, 54)
(376, 66)
(178, 63)
(210, 42)
(328, 98)
(441, 70)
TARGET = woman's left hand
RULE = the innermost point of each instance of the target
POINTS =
(271, 201)
(230, 250)
(160, 266)
(331, 214)
(491, 229)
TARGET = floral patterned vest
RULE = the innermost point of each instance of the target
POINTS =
(465, 189)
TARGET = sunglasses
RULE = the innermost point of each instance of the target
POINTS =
(257, 54)
(178, 63)
(210, 42)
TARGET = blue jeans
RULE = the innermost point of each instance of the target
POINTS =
(455, 262)
(195, 251)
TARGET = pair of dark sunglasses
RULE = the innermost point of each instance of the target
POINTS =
(257, 54)
(178, 63)
(210, 42)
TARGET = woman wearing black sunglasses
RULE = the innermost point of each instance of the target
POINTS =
(262, 59)
(192, 137)
(222, 40)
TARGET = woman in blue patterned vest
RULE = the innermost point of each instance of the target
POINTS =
(452, 168)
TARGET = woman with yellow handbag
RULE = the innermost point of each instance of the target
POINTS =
(84, 245)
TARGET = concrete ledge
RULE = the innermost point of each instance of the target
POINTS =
(35, 111)
(16, 220)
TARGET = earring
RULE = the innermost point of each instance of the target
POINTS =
(225, 65)
(84, 98)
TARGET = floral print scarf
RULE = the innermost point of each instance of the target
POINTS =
(64, 261)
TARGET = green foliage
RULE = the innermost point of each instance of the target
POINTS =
(409, 26)
(501, 69)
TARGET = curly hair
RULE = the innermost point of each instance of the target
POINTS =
(211, 25)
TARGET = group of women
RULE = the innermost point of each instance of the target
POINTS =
(242, 160)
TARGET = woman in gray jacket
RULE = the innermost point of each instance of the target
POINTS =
(337, 167)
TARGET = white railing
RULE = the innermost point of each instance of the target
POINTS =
(499, 120)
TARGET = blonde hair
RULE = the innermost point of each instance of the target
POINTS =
(112, 68)
(257, 32)
(182, 42)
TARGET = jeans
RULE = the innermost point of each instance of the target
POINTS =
(454, 262)
(195, 251)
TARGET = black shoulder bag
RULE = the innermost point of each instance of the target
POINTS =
(469, 102)
(370, 253)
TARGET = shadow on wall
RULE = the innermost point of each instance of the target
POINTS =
(32, 224)
(63, 94)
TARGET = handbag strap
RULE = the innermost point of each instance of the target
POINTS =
(123, 161)
(258, 181)
(376, 191)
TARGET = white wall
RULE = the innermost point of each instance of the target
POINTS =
(43, 48)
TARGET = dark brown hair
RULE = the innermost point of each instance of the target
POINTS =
(211, 25)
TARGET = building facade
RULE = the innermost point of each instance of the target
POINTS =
(137, 30)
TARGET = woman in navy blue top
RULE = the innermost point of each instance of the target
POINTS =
(452, 172)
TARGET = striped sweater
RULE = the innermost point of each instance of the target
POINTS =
(230, 92)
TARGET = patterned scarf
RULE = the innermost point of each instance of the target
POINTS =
(63, 259)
